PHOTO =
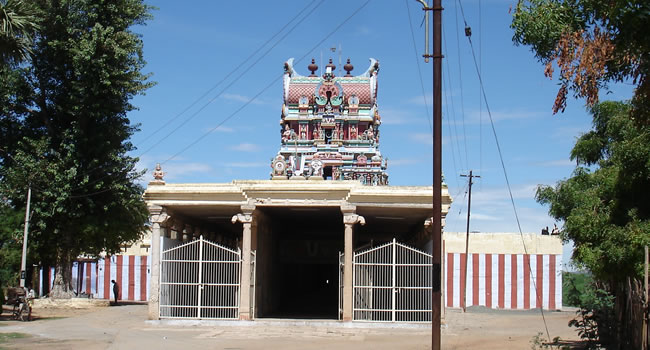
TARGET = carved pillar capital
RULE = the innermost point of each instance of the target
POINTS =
(351, 219)
(158, 214)
(246, 216)
(243, 218)
(347, 208)
(350, 216)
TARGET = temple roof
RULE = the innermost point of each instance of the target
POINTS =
(363, 86)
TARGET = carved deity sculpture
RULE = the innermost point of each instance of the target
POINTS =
(286, 134)
(303, 132)
(353, 132)
(158, 175)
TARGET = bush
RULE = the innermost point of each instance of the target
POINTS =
(574, 285)
(596, 322)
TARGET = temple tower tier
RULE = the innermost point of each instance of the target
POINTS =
(330, 126)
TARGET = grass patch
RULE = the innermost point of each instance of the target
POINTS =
(5, 337)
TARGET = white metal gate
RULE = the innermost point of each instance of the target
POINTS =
(341, 264)
(392, 283)
(200, 279)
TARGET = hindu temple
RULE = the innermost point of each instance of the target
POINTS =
(330, 126)
(325, 237)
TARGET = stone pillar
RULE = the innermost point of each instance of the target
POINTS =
(187, 233)
(246, 218)
(349, 219)
(176, 227)
(158, 218)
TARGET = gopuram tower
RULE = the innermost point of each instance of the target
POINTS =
(330, 126)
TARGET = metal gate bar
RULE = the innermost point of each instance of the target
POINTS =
(392, 283)
(200, 280)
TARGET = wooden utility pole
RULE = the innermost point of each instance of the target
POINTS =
(644, 329)
(469, 207)
(436, 297)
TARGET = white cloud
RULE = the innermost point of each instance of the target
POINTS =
(241, 98)
(419, 100)
(388, 118)
(488, 195)
(422, 137)
(476, 116)
(247, 165)
(219, 129)
(363, 30)
(176, 170)
(571, 133)
(556, 163)
(487, 217)
(404, 161)
(245, 147)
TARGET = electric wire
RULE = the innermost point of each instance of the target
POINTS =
(241, 64)
(450, 87)
(505, 173)
(453, 152)
(302, 11)
(480, 96)
(197, 140)
(417, 64)
(460, 83)
(184, 122)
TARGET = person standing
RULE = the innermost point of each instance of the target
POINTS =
(116, 290)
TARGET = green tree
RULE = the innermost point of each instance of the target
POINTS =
(18, 22)
(592, 42)
(10, 244)
(73, 147)
(603, 205)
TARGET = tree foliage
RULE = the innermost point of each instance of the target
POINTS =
(10, 244)
(606, 214)
(603, 205)
(18, 22)
(592, 42)
(70, 130)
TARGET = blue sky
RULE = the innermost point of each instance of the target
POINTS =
(190, 47)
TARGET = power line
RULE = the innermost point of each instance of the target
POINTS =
(453, 108)
(231, 72)
(184, 122)
(417, 63)
(206, 93)
(266, 87)
(460, 83)
(503, 167)
(211, 89)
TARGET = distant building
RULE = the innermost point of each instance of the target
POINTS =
(504, 270)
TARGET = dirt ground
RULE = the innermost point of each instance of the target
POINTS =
(126, 327)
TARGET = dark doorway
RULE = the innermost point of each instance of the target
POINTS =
(299, 278)
(327, 173)
(310, 291)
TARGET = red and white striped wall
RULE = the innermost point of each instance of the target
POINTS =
(505, 281)
(131, 272)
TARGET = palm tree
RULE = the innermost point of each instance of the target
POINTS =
(17, 26)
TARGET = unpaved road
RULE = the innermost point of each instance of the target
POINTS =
(125, 327)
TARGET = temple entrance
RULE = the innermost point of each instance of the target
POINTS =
(297, 274)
